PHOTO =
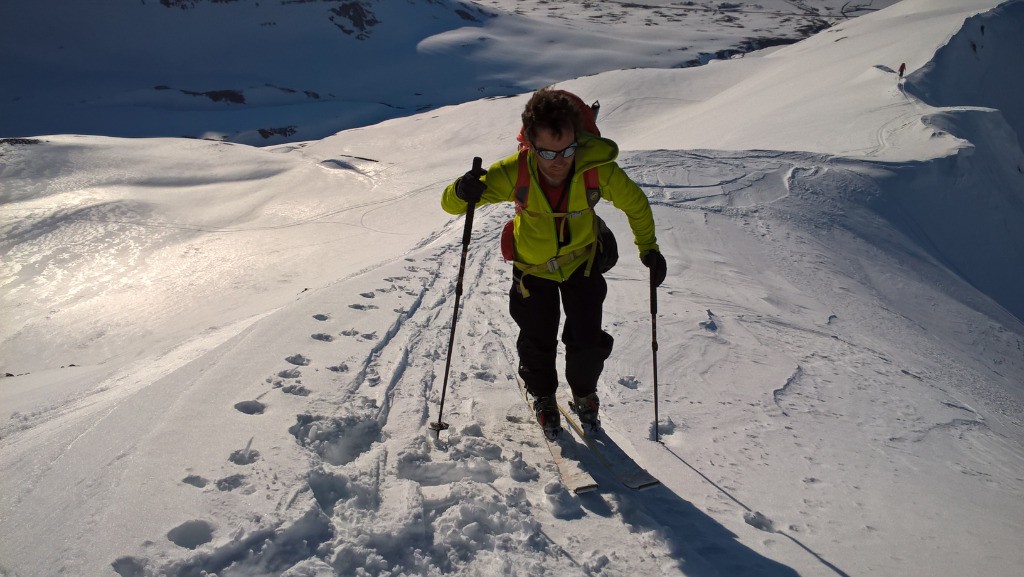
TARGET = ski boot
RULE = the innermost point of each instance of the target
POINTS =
(546, 409)
(586, 408)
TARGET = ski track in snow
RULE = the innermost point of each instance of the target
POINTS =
(484, 489)
(395, 499)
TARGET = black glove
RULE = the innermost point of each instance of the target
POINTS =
(469, 188)
(654, 260)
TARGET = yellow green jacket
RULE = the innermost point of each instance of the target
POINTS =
(536, 234)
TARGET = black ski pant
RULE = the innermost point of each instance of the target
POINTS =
(538, 316)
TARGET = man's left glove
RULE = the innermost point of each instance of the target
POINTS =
(469, 188)
(654, 260)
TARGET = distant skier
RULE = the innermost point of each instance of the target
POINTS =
(555, 231)
(903, 68)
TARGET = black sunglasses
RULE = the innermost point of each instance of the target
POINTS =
(566, 152)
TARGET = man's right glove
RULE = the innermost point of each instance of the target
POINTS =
(654, 260)
(469, 188)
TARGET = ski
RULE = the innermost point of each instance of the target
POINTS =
(611, 456)
(573, 476)
(562, 450)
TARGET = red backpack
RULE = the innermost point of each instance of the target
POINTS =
(588, 117)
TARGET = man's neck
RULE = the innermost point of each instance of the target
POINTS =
(556, 183)
(553, 183)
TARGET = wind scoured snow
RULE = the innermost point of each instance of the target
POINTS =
(177, 408)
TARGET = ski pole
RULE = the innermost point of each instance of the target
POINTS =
(654, 350)
(440, 425)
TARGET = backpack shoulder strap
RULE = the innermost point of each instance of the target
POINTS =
(523, 182)
(593, 186)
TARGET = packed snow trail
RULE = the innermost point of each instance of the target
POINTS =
(378, 492)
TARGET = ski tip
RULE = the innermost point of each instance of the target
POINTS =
(584, 488)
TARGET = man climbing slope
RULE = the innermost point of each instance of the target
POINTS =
(555, 182)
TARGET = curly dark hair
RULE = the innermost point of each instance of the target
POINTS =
(553, 110)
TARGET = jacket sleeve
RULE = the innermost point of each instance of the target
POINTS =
(499, 189)
(630, 199)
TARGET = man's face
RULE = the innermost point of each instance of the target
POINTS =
(554, 171)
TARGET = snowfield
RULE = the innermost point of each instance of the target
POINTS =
(269, 71)
(223, 359)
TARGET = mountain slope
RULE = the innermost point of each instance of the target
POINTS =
(263, 72)
(227, 356)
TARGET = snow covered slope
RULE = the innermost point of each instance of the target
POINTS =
(271, 71)
(962, 95)
(226, 357)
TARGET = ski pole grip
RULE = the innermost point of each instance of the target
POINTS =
(654, 296)
(478, 171)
